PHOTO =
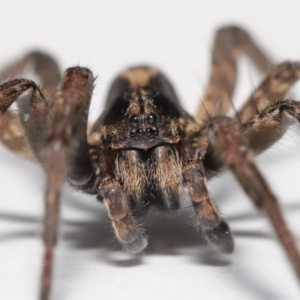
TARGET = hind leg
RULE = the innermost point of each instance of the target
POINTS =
(47, 70)
(229, 43)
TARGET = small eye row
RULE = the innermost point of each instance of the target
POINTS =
(151, 119)
(149, 130)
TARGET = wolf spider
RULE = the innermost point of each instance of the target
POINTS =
(145, 147)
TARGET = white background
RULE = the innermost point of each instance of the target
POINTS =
(176, 36)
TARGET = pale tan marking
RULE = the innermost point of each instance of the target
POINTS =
(139, 77)
(12, 136)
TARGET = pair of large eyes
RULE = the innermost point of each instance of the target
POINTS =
(151, 119)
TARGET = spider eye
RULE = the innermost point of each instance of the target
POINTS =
(134, 121)
(152, 119)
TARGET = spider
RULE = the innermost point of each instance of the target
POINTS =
(145, 148)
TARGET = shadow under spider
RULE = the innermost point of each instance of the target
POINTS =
(167, 233)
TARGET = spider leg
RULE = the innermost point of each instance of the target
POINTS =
(128, 232)
(229, 42)
(273, 88)
(214, 228)
(230, 147)
(50, 140)
(70, 114)
(46, 68)
(11, 133)
(259, 121)
(116, 201)
(266, 128)
(42, 64)
(265, 118)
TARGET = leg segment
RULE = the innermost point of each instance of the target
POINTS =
(230, 147)
(215, 229)
(264, 118)
(276, 84)
(126, 228)
(30, 101)
(229, 42)
(46, 68)
(50, 140)
(70, 112)
(42, 64)
(12, 136)
(266, 128)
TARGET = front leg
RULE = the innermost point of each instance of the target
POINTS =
(229, 43)
(215, 229)
(127, 230)
(230, 147)
(116, 200)
(50, 139)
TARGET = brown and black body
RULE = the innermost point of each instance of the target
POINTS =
(142, 131)
(145, 148)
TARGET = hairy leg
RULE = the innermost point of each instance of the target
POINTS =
(50, 140)
(262, 120)
(215, 229)
(230, 147)
(267, 127)
(41, 64)
(273, 88)
(127, 230)
(29, 97)
(116, 198)
(229, 43)
(46, 68)
(69, 116)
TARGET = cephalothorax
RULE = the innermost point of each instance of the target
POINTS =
(145, 148)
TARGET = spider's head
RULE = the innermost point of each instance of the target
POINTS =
(142, 111)
(142, 119)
